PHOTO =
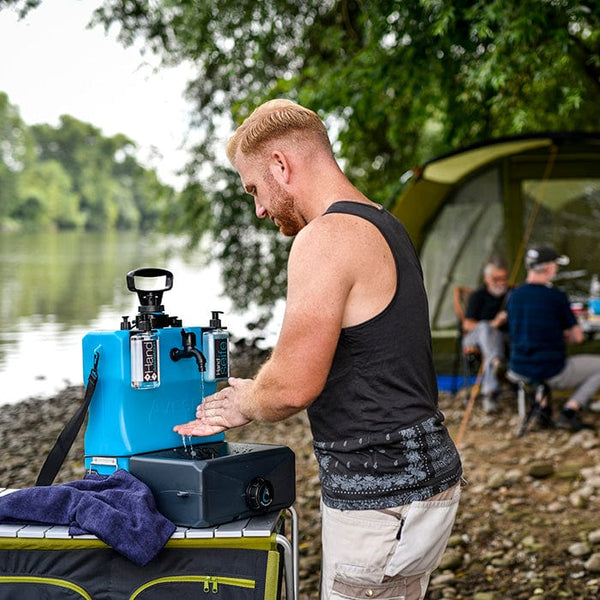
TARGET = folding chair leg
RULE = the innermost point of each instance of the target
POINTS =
(534, 410)
(521, 395)
(541, 394)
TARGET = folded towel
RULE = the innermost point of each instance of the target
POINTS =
(119, 509)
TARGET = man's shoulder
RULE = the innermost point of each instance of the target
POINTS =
(537, 291)
(526, 289)
(334, 241)
(336, 228)
(322, 230)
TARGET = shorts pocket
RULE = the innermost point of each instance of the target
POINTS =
(425, 532)
(346, 589)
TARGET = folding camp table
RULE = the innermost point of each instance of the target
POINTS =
(26, 561)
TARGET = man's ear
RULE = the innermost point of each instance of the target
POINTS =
(280, 167)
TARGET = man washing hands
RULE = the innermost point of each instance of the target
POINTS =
(354, 350)
(221, 411)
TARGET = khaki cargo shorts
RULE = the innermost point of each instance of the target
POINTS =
(386, 554)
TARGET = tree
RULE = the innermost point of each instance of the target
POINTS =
(397, 81)
(46, 199)
(72, 176)
(16, 151)
(89, 158)
(147, 198)
(113, 189)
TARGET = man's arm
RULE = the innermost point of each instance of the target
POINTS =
(319, 281)
(574, 335)
(468, 325)
(500, 319)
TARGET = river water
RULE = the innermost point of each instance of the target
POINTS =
(56, 287)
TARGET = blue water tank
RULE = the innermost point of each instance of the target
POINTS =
(123, 420)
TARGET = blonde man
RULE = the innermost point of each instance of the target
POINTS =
(355, 351)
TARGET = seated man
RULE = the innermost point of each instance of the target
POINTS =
(541, 323)
(485, 327)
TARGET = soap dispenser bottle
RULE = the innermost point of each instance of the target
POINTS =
(144, 348)
(215, 345)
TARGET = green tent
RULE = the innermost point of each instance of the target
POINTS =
(494, 198)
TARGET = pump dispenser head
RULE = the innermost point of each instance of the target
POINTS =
(215, 321)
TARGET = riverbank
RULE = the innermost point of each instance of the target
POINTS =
(528, 523)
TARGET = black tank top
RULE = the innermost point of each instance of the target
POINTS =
(378, 433)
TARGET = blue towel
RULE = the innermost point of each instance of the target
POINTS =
(119, 509)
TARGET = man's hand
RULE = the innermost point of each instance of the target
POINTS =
(221, 411)
(574, 335)
(500, 319)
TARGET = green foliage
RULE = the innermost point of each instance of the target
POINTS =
(143, 200)
(386, 69)
(16, 148)
(398, 81)
(72, 176)
(46, 198)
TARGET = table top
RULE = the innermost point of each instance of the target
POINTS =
(259, 526)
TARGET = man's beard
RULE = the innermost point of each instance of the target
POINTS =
(497, 290)
(282, 209)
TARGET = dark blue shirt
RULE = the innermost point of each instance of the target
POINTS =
(538, 316)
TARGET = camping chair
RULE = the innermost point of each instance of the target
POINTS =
(469, 356)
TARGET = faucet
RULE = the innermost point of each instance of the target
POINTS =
(188, 341)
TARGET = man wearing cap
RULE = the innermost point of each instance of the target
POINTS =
(541, 324)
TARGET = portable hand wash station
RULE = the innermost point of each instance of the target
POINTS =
(152, 376)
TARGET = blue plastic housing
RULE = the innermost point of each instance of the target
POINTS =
(124, 421)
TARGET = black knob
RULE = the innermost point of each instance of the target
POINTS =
(259, 494)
